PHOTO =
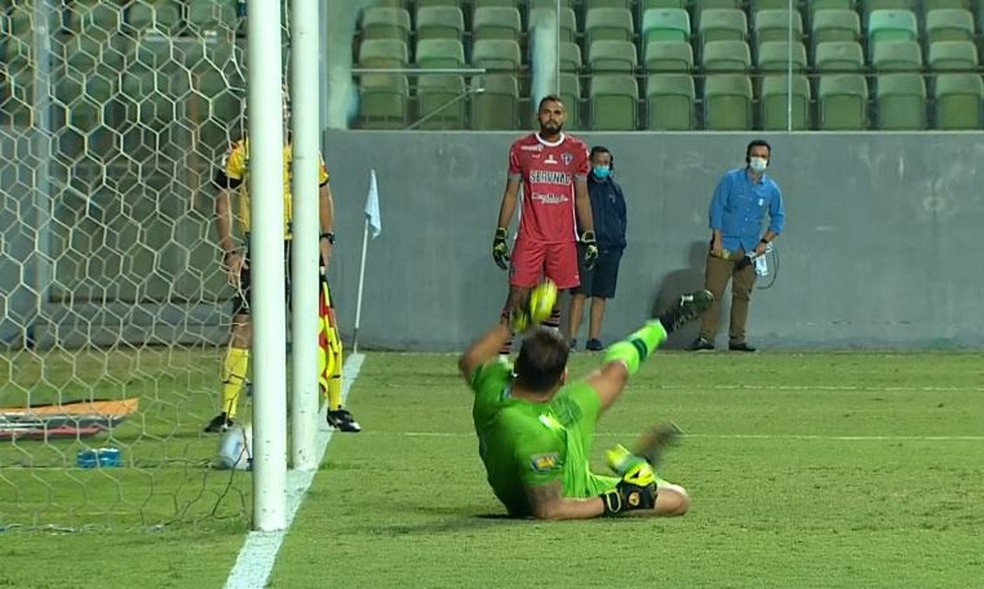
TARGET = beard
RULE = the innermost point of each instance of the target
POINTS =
(551, 127)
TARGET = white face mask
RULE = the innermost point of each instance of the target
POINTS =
(758, 164)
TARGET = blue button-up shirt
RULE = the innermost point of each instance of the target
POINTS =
(739, 206)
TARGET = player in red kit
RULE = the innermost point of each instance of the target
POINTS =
(553, 169)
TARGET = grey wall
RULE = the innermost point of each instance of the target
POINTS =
(880, 249)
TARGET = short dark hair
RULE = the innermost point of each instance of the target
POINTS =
(542, 359)
(757, 143)
(549, 98)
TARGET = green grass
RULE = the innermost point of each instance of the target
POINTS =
(806, 470)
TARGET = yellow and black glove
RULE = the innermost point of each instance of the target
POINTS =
(500, 251)
(637, 489)
(590, 249)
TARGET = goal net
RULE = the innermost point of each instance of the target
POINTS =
(113, 302)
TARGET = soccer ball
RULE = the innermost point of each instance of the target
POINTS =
(236, 448)
(542, 301)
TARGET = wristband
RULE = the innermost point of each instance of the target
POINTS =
(329, 236)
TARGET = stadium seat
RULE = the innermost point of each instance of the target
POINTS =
(570, 91)
(891, 25)
(897, 56)
(207, 18)
(568, 23)
(839, 56)
(665, 24)
(958, 101)
(163, 16)
(645, 5)
(773, 56)
(835, 25)
(699, 6)
(497, 107)
(818, 5)
(570, 57)
(440, 100)
(722, 24)
(901, 100)
(433, 3)
(439, 22)
(384, 100)
(386, 23)
(440, 53)
(870, 6)
(608, 24)
(928, 5)
(727, 102)
(842, 103)
(773, 103)
(757, 5)
(496, 22)
(496, 55)
(773, 25)
(506, 3)
(953, 55)
(614, 100)
(388, 4)
(383, 53)
(726, 56)
(612, 57)
(949, 25)
(670, 102)
(551, 4)
(589, 4)
(669, 57)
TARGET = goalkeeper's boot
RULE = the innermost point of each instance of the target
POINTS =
(689, 307)
(342, 420)
(656, 441)
(219, 424)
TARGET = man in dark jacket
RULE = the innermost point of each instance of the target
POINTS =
(608, 210)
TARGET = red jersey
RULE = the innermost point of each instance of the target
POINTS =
(548, 172)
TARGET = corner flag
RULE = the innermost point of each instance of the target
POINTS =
(372, 206)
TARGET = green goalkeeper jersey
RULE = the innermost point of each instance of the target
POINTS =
(523, 443)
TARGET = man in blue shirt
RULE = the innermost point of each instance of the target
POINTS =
(608, 212)
(737, 211)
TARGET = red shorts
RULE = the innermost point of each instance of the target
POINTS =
(532, 260)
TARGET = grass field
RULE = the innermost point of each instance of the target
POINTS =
(806, 470)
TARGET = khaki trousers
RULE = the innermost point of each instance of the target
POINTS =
(716, 276)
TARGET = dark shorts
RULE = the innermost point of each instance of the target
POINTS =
(599, 281)
(242, 298)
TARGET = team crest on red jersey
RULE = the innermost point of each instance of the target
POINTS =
(567, 157)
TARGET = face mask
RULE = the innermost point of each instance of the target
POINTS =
(758, 164)
(601, 172)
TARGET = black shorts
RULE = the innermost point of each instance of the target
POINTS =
(241, 299)
(599, 281)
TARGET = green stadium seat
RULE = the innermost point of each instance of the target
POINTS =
(496, 22)
(773, 56)
(901, 101)
(722, 24)
(727, 102)
(842, 102)
(665, 24)
(570, 57)
(497, 55)
(870, 6)
(670, 102)
(568, 23)
(757, 5)
(839, 56)
(614, 100)
(434, 3)
(608, 24)
(383, 53)
(699, 6)
(440, 53)
(726, 56)
(551, 4)
(645, 5)
(891, 25)
(210, 19)
(570, 91)
(612, 57)
(440, 102)
(773, 25)
(897, 56)
(496, 108)
(507, 3)
(949, 25)
(928, 5)
(589, 4)
(953, 55)
(818, 5)
(773, 102)
(389, 3)
(669, 57)
(835, 25)
(957, 99)
(386, 23)
(439, 22)
(384, 101)
(163, 16)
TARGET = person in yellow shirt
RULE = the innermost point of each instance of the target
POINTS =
(232, 177)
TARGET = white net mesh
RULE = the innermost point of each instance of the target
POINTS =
(113, 116)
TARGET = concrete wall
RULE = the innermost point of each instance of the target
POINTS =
(880, 248)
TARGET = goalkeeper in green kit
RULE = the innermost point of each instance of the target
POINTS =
(535, 430)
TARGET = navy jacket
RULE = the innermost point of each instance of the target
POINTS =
(608, 211)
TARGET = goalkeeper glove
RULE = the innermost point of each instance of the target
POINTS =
(637, 489)
(590, 249)
(500, 251)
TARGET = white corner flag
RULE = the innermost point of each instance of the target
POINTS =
(374, 221)
(372, 206)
